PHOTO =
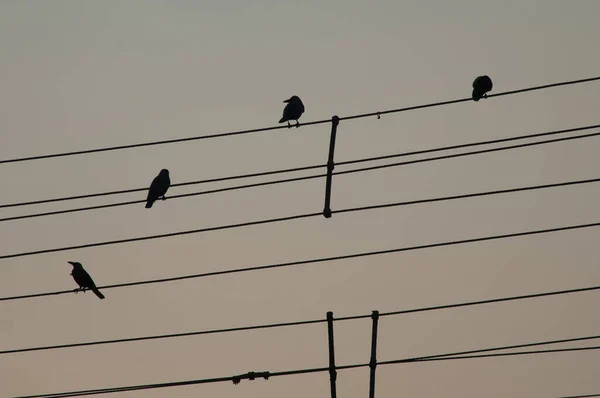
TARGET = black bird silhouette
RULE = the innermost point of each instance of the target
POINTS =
(293, 110)
(83, 279)
(158, 188)
(481, 85)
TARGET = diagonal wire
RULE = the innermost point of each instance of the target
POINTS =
(298, 323)
(312, 167)
(296, 179)
(233, 133)
(172, 279)
(438, 357)
(273, 220)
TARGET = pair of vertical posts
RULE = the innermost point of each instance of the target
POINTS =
(372, 363)
(335, 121)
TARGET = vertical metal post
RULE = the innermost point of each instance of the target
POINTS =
(373, 362)
(332, 371)
(327, 209)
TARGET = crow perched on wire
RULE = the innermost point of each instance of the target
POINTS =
(293, 110)
(158, 188)
(481, 85)
(83, 279)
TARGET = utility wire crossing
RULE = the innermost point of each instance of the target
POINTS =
(305, 322)
(297, 179)
(461, 355)
(233, 133)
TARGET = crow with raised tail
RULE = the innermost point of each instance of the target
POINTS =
(481, 85)
(293, 110)
(158, 188)
(83, 279)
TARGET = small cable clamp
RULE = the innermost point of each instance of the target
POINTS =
(250, 376)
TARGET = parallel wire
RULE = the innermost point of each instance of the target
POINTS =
(456, 155)
(299, 323)
(296, 179)
(228, 134)
(210, 180)
(420, 201)
(504, 354)
(312, 167)
(290, 218)
(436, 357)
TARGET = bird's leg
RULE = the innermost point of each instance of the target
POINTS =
(163, 197)
(297, 123)
(289, 125)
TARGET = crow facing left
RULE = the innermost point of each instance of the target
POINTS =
(293, 110)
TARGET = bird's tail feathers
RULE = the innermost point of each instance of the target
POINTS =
(149, 203)
(282, 120)
(98, 293)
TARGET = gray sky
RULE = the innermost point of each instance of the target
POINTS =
(77, 75)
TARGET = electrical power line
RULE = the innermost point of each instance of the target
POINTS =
(185, 195)
(290, 218)
(502, 354)
(133, 190)
(465, 354)
(456, 155)
(296, 179)
(582, 396)
(299, 323)
(436, 357)
(232, 133)
(312, 167)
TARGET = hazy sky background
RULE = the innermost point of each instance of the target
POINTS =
(77, 75)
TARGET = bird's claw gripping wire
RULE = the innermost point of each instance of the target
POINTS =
(378, 115)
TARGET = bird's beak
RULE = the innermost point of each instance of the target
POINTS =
(287, 100)
(71, 262)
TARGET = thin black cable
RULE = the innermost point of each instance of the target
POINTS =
(163, 336)
(218, 135)
(456, 155)
(468, 195)
(582, 396)
(503, 354)
(469, 144)
(297, 323)
(185, 195)
(463, 354)
(296, 179)
(172, 279)
(305, 168)
(181, 184)
(411, 108)
(289, 218)
(438, 357)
